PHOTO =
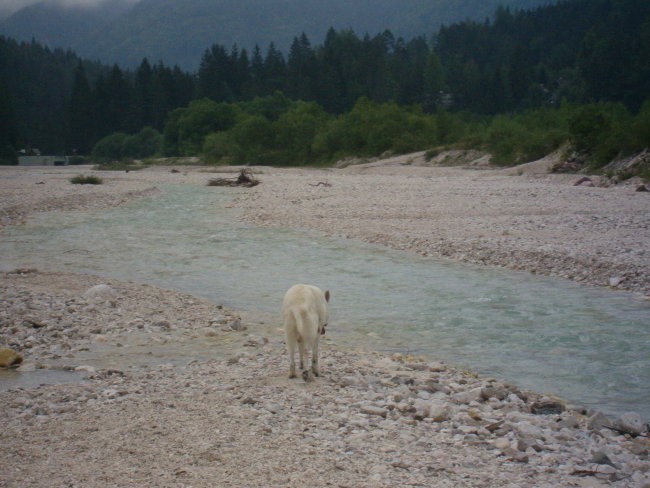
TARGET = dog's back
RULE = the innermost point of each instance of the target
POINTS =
(304, 310)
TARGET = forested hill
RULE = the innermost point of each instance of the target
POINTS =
(177, 31)
(580, 51)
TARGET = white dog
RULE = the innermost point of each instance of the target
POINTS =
(304, 310)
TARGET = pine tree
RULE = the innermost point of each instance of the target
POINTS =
(80, 133)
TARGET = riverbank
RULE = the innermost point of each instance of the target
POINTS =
(536, 222)
(519, 218)
(174, 390)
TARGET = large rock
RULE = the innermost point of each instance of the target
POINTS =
(9, 358)
(632, 423)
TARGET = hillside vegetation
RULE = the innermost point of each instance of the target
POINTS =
(520, 86)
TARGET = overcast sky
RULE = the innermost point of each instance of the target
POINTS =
(9, 6)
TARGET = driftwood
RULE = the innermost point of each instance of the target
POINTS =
(245, 178)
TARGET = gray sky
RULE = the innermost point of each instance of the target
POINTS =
(9, 6)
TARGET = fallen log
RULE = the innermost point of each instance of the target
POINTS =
(245, 179)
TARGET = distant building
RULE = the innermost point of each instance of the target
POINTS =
(42, 160)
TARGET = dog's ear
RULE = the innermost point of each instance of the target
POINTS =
(327, 296)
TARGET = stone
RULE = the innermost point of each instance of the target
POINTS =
(642, 188)
(528, 430)
(370, 409)
(614, 281)
(570, 421)
(601, 457)
(84, 368)
(598, 420)
(437, 367)
(494, 392)
(273, 408)
(9, 358)
(473, 395)
(547, 407)
(236, 325)
(209, 332)
(631, 423)
(101, 291)
(501, 443)
(438, 411)
(255, 341)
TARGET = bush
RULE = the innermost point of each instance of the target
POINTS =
(119, 146)
(220, 148)
(295, 131)
(602, 131)
(640, 131)
(77, 160)
(110, 147)
(202, 117)
(86, 180)
(144, 144)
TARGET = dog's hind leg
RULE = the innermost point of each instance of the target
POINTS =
(314, 358)
(302, 352)
(291, 348)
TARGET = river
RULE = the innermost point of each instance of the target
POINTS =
(587, 344)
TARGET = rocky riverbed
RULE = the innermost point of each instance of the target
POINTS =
(168, 389)
(218, 409)
(519, 219)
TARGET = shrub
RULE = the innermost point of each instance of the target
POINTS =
(119, 145)
(601, 131)
(86, 180)
(220, 148)
(110, 147)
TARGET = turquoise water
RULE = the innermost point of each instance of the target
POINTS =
(587, 344)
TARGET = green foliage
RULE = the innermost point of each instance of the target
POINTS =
(527, 136)
(522, 60)
(306, 134)
(86, 180)
(110, 147)
(602, 131)
(295, 132)
(190, 126)
(372, 128)
(144, 144)
(640, 130)
(119, 146)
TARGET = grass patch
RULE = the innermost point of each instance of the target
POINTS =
(86, 180)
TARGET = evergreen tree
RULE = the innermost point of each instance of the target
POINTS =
(81, 115)
(8, 130)
(302, 70)
(274, 70)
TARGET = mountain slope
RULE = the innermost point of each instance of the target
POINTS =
(178, 32)
(66, 27)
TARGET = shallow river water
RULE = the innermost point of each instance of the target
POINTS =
(587, 344)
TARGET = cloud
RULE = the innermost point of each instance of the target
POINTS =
(7, 7)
